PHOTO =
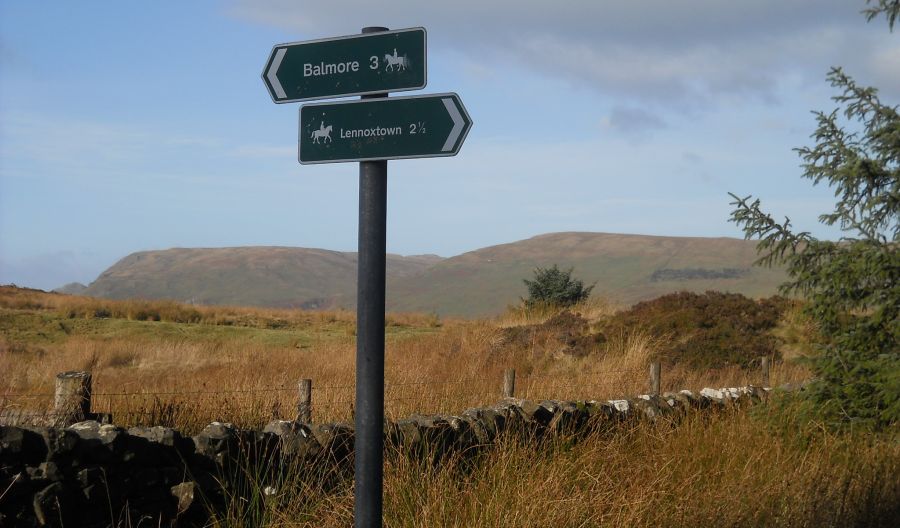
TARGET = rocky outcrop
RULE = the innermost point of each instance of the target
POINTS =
(92, 474)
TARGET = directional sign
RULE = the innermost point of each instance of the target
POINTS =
(421, 126)
(388, 61)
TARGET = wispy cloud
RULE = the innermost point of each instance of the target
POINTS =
(64, 143)
(76, 148)
(655, 50)
(264, 151)
(632, 121)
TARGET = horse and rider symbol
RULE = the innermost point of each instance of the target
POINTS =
(324, 133)
(395, 61)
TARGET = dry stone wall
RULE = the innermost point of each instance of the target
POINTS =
(91, 474)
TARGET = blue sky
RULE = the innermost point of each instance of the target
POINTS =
(127, 127)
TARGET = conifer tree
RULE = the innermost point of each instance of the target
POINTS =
(852, 286)
(555, 287)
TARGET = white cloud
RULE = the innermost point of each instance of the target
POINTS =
(657, 50)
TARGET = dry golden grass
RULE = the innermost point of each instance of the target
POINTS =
(593, 309)
(730, 469)
(798, 332)
(728, 472)
(187, 375)
(71, 307)
(727, 469)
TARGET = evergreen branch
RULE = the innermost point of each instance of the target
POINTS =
(777, 243)
(890, 8)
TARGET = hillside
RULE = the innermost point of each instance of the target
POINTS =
(625, 268)
(73, 288)
(255, 276)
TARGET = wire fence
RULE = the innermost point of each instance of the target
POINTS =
(190, 408)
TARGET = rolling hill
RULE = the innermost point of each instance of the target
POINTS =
(625, 269)
(280, 277)
(73, 288)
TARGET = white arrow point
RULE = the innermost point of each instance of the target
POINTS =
(272, 74)
(458, 124)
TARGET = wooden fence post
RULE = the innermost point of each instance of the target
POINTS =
(509, 383)
(72, 397)
(304, 404)
(764, 364)
(655, 372)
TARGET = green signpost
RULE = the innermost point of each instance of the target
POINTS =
(371, 131)
(421, 126)
(369, 63)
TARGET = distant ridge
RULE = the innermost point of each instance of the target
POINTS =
(625, 268)
(280, 277)
(73, 288)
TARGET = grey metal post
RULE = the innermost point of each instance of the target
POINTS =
(304, 403)
(655, 371)
(369, 420)
(764, 364)
(509, 383)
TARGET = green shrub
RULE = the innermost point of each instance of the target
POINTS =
(555, 287)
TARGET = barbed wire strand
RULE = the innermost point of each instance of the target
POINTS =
(527, 382)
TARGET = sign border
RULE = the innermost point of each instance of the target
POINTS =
(453, 152)
(345, 37)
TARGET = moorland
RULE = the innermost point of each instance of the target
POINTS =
(181, 365)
